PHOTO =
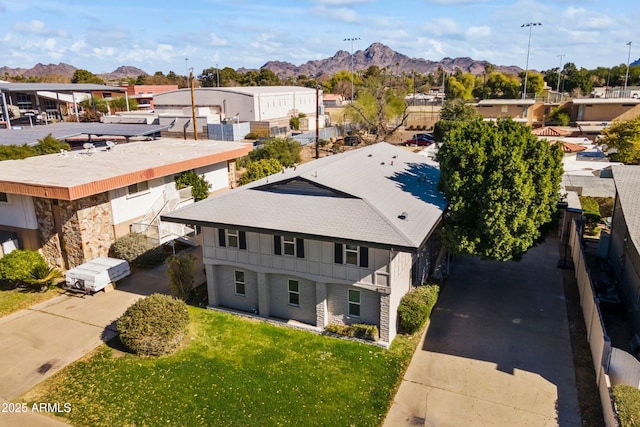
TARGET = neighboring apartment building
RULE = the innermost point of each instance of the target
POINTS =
(337, 240)
(523, 110)
(144, 94)
(586, 111)
(267, 109)
(73, 205)
(624, 249)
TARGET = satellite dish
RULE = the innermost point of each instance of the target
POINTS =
(110, 145)
(88, 146)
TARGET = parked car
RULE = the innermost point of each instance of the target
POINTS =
(427, 136)
(421, 139)
(352, 140)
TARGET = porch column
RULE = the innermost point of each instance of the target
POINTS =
(212, 290)
(385, 325)
(321, 305)
(263, 295)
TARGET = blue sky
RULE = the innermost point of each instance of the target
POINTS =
(159, 35)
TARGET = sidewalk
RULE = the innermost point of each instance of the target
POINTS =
(497, 350)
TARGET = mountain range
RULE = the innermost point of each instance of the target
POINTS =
(65, 71)
(377, 54)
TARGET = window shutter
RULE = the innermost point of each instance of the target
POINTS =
(277, 245)
(364, 256)
(338, 253)
(222, 238)
(242, 236)
(300, 248)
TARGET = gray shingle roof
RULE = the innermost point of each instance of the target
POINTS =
(627, 179)
(372, 187)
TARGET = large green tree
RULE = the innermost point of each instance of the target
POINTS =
(623, 139)
(286, 151)
(502, 184)
(84, 76)
(260, 169)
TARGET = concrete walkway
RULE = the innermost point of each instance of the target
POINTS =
(497, 350)
(37, 342)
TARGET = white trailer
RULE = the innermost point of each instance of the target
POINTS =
(96, 274)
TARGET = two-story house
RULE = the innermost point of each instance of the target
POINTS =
(337, 240)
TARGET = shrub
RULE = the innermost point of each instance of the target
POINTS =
(136, 249)
(180, 272)
(627, 402)
(259, 169)
(358, 330)
(415, 308)
(154, 325)
(365, 332)
(17, 265)
(42, 277)
(199, 185)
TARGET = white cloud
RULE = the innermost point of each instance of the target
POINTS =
(217, 40)
(482, 31)
(6, 38)
(78, 46)
(443, 26)
(340, 14)
(37, 27)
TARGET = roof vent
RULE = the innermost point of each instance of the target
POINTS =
(370, 155)
(382, 163)
(63, 152)
(404, 216)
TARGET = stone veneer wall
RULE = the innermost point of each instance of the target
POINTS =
(87, 227)
(231, 167)
(49, 239)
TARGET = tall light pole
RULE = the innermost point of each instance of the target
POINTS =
(559, 71)
(351, 39)
(186, 66)
(526, 71)
(626, 76)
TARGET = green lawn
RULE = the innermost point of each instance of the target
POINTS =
(16, 299)
(234, 372)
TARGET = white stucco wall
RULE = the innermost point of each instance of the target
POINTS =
(18, 212)
(125, 207)
(217, 175)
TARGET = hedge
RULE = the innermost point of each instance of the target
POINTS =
(627, 402)
(17, 265)
(357, 330)
(415, 308)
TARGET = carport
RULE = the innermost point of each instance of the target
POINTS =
(12, 93)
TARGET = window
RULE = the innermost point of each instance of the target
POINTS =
(504, 109)
(354, 303)
(294, 292)
(24, 101)
(240, 285)
(138, 188)
(351, 254)
(232, 238)
(4, 198)
(289, 246)
(292, 246)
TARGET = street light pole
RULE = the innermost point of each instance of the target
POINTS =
(559, 71)
(186, 66)
(626, 77)
(526, 71)
(351, 39)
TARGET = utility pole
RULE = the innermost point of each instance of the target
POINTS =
(193, 106)
(217, 76)
(626, 77)
(526, 71)
(317, 121)
(559, 71)
(351, 39)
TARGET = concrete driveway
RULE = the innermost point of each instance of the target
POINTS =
(497, 350)
(37, 342)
